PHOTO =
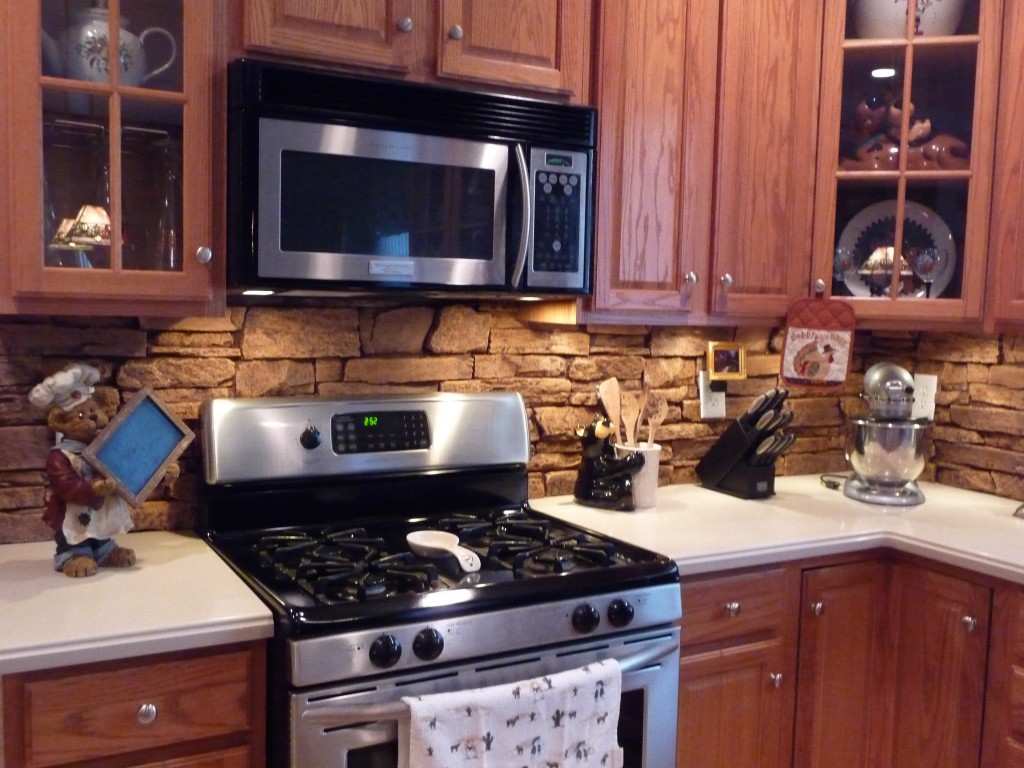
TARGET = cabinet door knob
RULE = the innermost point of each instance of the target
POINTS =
(146, 713)
(404, 24)
(817, 608)
(692, 278)
(456, 33)
(776, 679)
(970, 623)
(732, 608)
(819, 287)
(204, 254)
(727, 281)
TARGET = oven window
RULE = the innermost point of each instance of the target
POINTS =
(631, 728)
(377, 756)
(378, 207)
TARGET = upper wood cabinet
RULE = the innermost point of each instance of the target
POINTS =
(707, 153)
(905, 160)
(111, 197)
(1004, 299)
(537, 45)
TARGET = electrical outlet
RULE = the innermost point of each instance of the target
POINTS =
(926, 387)
(712, 404)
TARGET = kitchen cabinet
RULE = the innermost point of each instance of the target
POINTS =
(1004, 299)
(736, 679)
(890, 656)
(843, 667)
(537, 45)
(707, 145)
(905, 161)
(1004, 705)
(111, 197)
(197, 709)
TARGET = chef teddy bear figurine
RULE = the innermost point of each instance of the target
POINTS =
(81, 508)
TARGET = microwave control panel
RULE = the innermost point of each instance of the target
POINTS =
(559, 210)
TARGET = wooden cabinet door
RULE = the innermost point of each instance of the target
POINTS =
(537, 44)
(734, 706)
(841, 715)
(1004, 305)
(941, 642)
(102, 137)
(707, 156)
(388, 34)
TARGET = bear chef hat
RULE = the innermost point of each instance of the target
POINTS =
(66, 388)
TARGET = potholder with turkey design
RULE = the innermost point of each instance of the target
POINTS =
(819, 343)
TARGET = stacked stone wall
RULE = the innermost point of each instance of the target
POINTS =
(978, 438)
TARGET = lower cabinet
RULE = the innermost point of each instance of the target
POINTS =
(877, 662)
(201, 709)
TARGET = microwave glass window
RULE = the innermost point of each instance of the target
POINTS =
(379, 207)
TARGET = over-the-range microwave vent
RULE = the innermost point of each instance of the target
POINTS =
(369, 100)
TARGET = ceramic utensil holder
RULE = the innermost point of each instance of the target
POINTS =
(726, 467)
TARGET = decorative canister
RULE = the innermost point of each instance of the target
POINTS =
(888, 18)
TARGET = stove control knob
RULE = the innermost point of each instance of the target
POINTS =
(310, 438)
(385, 651)
(585, 618)
(428, 644)
(620, 612)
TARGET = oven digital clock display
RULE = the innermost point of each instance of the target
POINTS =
(373, 432)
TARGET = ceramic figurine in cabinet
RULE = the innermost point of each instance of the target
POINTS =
(604, 479)
(82, 508)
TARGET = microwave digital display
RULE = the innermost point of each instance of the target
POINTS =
(382, 207)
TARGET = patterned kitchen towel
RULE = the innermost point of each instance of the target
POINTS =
(563, 720)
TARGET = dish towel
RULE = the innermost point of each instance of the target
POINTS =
(563, 720)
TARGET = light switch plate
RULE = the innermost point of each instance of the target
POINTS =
(926, 387)
(712, 404)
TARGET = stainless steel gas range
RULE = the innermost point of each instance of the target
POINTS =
(311, 501)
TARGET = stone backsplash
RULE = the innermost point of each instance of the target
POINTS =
(978, 438)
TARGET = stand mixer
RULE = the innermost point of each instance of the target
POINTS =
(887, 449)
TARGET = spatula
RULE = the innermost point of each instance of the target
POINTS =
(630, 412)
(611, 400)
(657, 410)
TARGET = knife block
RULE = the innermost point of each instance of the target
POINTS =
(726, 467)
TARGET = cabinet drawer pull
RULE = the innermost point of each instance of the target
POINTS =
(970, 623)
(817, 608)
(776, 679)
(732, 608)
(456, 33)
(404, 24)
(146, 713)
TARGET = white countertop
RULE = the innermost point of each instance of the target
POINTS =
(705, 531)
(179, 595)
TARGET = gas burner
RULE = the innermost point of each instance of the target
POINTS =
(543, 561)
(369, 579)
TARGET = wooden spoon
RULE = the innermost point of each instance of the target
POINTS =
(657, 410)
(641, 413)
(611, 400)
(630, 414)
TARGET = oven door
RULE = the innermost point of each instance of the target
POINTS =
(361, 725)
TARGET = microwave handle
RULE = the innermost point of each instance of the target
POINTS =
(524, 234)
(340, 715)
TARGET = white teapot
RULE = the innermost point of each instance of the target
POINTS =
(85, 49)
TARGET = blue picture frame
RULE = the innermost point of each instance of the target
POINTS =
(137, 445)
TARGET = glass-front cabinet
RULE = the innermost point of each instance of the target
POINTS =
(110, 148)
(905, 163)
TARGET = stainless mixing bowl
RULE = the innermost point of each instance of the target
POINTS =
(887, 454)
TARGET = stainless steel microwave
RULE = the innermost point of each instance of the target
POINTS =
(341, 184)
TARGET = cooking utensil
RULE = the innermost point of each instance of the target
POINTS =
(657, 410)
(439, 543)
(781, 445)
(630, 413)
(611, 399)
(645, 398)
(753, 412)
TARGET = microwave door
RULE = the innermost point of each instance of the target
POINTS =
(356, 205)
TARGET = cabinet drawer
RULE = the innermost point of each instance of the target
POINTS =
(733, 606)
(113, 709)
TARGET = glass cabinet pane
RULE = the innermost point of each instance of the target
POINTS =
(112, 143)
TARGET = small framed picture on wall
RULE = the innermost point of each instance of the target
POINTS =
(726, 360)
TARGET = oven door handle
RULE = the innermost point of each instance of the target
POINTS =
(647, 657)
(524, 233)
(340, 715)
